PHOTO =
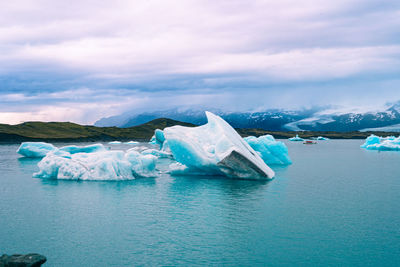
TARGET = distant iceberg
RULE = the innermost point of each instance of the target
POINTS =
(271, 151)
(215, 148)
(374, 142)
(131, 143)
(102, 165)
(296, 138)
(114, 142)
(35, 149)
(321, 138)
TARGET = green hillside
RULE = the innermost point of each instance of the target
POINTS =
(67, 131)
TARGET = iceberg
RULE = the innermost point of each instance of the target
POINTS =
(101, 165)
(158, 138)
(131, 143)
(35, 149)
(114, 142)
(374, 142)
(215, 148)
(296, 138)
(321, 138)
(40, 149)
(271, 151)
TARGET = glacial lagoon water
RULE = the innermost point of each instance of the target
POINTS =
(336, 205)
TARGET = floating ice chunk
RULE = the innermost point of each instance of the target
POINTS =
(374, 142)
(40, 149)
(132, 143)
(114, 142)
(371, 140)
(35, 149)
(83, 149)
(102, 165)
(159, 134)
(216, 148)
(321, 138)
(153, 140)
(296, 138)
(271, 151)
(158, 138)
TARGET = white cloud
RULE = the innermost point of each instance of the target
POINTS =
(175, 37)
(222, 42)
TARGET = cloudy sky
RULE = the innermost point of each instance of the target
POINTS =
(82, 60)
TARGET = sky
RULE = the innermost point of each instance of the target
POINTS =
(83, 60)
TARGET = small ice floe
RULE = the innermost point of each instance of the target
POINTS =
(114, 142)
(271, 151)
(35, 149)
(131, 143)
(296, 138)
(374, 142)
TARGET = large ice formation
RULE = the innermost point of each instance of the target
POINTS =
(374, 142)
(40, 149)
(321, 138)
(271, 151)
(102, 165)
(215, 148)
(296, 138)
(35, 149)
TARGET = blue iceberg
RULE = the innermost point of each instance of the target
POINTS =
(217, 149)
(321, 138)
(374, 142)
(158, 138)
(102, 165)
(296, 138)
(83, 149)
(131, 143)
(271, 151)
(40, 149)
(35, 149)
(114, 142)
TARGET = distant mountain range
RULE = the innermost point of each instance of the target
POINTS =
(315, 119)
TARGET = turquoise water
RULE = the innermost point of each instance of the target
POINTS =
(336, 205)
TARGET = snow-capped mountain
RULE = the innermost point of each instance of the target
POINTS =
(350, 121)
(271, 119)
(314, 119)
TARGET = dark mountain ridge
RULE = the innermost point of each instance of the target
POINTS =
(314, 119)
